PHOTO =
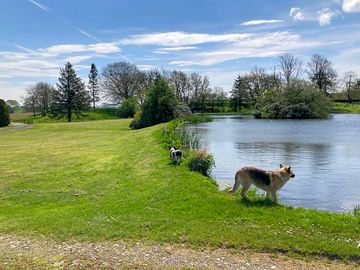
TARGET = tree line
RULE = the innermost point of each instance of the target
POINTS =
(125, 83)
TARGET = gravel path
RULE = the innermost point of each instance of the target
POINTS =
(15, 127)
(26, 253)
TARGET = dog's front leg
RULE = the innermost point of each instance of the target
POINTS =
(273, 195)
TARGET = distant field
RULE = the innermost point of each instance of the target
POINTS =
(340, 107)
(100, 180)
(93, 114)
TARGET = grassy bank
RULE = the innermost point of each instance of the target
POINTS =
(100, 180)
(340, 107)
(91, 115)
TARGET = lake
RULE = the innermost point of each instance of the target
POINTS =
(324, 155)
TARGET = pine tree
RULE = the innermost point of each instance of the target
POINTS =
(239, 92)
(70, 96)
(4, 114)
(93, 85)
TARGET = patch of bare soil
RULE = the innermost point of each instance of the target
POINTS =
(28, 253)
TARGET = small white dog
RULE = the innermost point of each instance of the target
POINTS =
(175, 154)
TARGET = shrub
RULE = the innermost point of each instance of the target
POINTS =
(4, 114)
(128, 108)
(300, 100)
(182, 111)
(159, 106)
(356, 211)
(202, 162)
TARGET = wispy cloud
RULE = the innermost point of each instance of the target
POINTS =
(167, 50)
(43, 7)
(87, 34)
(181, 39)
(45, 62)
(260, 22)
(256, 46)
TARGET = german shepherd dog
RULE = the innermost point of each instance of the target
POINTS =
(269, 181)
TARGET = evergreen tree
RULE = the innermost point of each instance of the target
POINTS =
(240, 91)
(93, 85)
(4, 114)
(70, 96)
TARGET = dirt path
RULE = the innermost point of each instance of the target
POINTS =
(25, 253)
(15, 127)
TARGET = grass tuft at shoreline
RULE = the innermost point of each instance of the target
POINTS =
(93, 181)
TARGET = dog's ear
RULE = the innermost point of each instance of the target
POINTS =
(281, 166)
(289, 168)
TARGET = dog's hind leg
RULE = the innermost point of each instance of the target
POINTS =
(245, 187)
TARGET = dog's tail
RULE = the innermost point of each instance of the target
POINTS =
(236, 184)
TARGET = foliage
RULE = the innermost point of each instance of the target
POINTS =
(93, 85)
(159, 106)
(182, 110)
(70, 96)
(298, 101)
(128, 108)
(13, 105)
(202, 161)
(4, 114)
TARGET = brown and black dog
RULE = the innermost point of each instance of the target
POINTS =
(269, 181)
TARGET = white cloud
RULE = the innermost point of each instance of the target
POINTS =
(101, 48)
(259, 45)
(177, 39)
(323, 17)
(297, 14)
(167, 50)
(43, 7)
(351, 6)
(259, 22)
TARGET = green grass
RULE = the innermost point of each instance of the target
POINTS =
(91, 115)
(340, 107)
(100, 180)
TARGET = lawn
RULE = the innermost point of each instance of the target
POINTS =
(340, 107)
(100, 180)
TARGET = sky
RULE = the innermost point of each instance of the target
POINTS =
(217, 38)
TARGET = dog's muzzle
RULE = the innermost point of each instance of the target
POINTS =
(292, 176)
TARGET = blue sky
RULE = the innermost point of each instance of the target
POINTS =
(215, 38)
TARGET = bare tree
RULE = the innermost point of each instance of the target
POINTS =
(349, 81)
(44, 92)
(291, 67)
(31, 102)
(121, 80)
(204, 92)
(180, 82)
(321, 73)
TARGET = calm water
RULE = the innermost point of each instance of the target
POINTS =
(324, 154)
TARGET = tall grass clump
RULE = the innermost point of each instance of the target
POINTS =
(356, 211)
(189, 140)
(197, 118)
(202, 162)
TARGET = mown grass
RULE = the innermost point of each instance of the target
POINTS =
(100, 180)
(340, 107)
(91, 115)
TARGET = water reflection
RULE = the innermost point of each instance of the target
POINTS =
(323, 153)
